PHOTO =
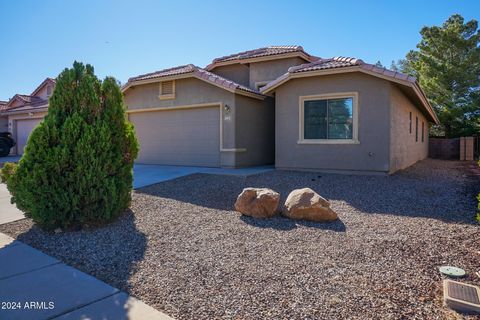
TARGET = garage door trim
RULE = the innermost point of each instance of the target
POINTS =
(220, 105)
(16, 120)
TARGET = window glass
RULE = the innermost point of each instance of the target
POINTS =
(340, 118)
(315, 125)
(328, 119)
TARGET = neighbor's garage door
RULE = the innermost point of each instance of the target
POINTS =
(24, 128)
(188, 137)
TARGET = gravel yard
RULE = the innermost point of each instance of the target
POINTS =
(184, 251)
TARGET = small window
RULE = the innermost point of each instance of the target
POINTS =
(423, 131)
(330, 120)
(49, 91)
(167, 90)
(410, 123)
(416, 129)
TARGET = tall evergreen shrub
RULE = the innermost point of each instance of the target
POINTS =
(77, 165)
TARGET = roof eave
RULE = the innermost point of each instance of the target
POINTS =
(192, 75)
(13, 111)
(130, 84)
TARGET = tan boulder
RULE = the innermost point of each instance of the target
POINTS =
(258, 202)
(308, 205)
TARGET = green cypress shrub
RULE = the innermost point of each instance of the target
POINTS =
(77, 167)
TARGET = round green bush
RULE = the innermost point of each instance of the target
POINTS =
(77, 167)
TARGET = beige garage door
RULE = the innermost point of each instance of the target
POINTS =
(187, 137)
(24, 127)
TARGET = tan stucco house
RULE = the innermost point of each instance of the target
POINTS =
(280, 105)
(22, 113)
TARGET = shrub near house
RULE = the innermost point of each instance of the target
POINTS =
(77, 165)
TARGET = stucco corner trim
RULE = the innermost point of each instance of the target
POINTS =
(334, 95)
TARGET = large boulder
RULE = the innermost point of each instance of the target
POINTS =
(258, 202)
(308, 205)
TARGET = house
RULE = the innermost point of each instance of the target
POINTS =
(281, 105)
(22, 113)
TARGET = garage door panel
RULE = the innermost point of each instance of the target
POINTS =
(179, 137)
(24, 128)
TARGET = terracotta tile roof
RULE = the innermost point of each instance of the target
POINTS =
(260, 52)
(196, 72)
(164, 73)
(3, 105)
(342, 62)
(28, 98)
(212, 77)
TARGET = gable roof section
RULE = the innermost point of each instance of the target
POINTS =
(26, 101)
(44, 83)
(266, 53)
(346, 64)
(188, 71)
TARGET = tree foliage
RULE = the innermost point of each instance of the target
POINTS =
(77, 165)
(447, 66)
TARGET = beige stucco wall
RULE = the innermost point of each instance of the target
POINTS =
(404, 150)
(239, 73)
(16, 103)
(270, 70)
(254, 131)
(371, 154)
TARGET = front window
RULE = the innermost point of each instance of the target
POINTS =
(328, 120)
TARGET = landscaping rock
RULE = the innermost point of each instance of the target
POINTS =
(308, 205)
(258, 202)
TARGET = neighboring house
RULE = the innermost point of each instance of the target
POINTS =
(280, 105)
(22, 113)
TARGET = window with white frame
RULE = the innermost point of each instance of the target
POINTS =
(167, 90)
(329, 118)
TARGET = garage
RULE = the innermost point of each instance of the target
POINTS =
(186, 137)
(24, 128)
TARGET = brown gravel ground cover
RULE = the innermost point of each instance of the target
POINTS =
(184, 251)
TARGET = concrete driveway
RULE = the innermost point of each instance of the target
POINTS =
(8, 211)
(147, 174)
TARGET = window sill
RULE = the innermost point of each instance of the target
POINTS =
(166, 97)
(332, 141)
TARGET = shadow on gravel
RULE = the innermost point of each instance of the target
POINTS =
(436, 189)
(285, 224)
(109, 253)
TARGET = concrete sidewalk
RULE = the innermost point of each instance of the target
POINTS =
(35, 286)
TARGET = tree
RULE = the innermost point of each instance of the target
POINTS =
(379, 64)
(447, 66)
(77, 165)
(394, 66)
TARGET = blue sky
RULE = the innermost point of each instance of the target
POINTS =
(127, 38)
